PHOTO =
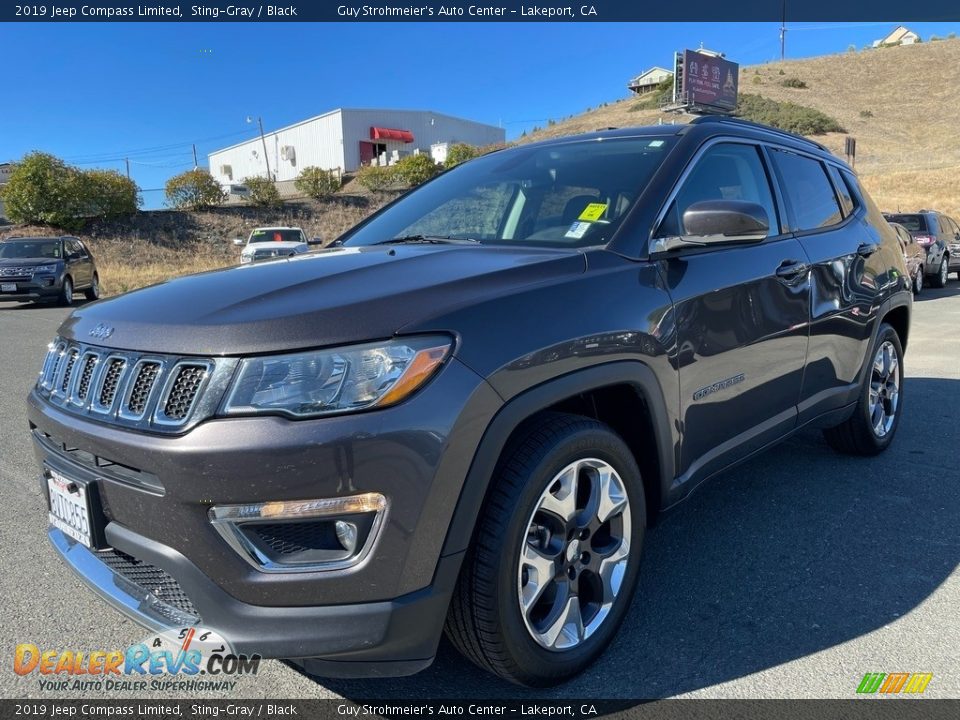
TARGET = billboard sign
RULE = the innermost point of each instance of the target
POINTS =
(706, 80)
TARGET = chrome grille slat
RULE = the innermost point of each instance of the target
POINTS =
(145, 391)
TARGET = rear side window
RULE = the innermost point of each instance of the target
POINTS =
(912, 222)
(727, 171)
(808, 190)
(847, 201)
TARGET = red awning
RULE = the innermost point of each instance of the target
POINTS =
(378, 133)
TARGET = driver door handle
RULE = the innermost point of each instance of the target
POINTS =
(792, 268)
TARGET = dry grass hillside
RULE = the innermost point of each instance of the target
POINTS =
(902, 104)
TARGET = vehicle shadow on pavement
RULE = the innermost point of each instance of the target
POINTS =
(77, 303)
(791, 553)
(951, 290)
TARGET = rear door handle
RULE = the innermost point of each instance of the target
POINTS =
(867, 249)
(792, 268)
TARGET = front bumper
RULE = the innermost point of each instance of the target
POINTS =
(156, 491)
(39, 288)
(396, 637)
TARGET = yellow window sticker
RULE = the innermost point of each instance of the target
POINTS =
(592, 212)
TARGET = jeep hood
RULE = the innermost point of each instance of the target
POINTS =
(331, 297)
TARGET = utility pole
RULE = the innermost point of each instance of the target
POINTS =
(266, 159)
(783, 32)
(195, 163)
(127, 160)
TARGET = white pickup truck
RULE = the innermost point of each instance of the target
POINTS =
(266, 243)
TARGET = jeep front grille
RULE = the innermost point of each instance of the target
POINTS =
(145, 378)
(148, 391)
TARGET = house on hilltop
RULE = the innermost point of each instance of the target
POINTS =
(648, 81)
(901, 36)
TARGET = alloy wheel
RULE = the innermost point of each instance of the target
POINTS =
(944, 273)
(884, 389)
(575, 554)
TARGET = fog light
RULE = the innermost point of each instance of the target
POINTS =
(302, 535)
(347, 535)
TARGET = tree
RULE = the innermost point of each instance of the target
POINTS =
(414, 170)
(263, 192)
(109, 194)
(317, 183)
(461, 152)
(42, 190)
(195, 190)
(376, 178)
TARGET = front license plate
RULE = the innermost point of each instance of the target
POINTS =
(8, 287)
(69, 508)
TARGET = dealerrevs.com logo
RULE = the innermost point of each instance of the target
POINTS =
(185, 660)
(894, 683)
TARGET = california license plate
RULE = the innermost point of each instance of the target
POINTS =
(8, 287)
(69, 508)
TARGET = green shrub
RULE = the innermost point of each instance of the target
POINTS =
(413, 170)
(793, 82)
(786, 115)
(263, 192)
(866, 114)
(108, 194)
(951, 35)
(851, 48)
(934, 38)
(461, 152)
(376, 178)
(781, 72)
(757, 80)
(317, 183)
(194, 190)
(45, 190)
(663, 93)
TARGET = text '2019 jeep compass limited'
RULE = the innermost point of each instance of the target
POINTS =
(463, 415)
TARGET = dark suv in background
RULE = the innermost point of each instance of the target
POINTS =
(47, 268)
(939, 234)
(465, 414)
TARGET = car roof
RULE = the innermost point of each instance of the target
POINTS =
(705, 126)
(36, 238)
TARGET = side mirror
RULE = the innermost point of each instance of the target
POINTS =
(718, 221)
(239, 241)
(726, 220)
(315, 241)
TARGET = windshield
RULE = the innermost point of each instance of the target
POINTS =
(570, 195)
(913, 223)
(30, 249)
(259, 236)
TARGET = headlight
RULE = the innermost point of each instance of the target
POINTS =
(47, 269)
(323, 382)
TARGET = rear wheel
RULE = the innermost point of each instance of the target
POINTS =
(874, 423)
(918, 282)
(93, 292)
(556, 555)
(66, 292)
(940, 279)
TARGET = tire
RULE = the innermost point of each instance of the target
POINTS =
(918, 282)
(93, 292)
(66, 292)
(864, 433)
(550, 455)
(940, 279)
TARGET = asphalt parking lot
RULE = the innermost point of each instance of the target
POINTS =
(789, 577)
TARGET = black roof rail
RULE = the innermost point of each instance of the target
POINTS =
(705, 119)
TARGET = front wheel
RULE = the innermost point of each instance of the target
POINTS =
(93, 292)
(918, 282)
(66, 292)
(870, 430)
(556, 555)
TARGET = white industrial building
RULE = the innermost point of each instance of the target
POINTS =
(345, 139)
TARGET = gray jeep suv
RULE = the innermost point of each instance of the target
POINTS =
(464, 415)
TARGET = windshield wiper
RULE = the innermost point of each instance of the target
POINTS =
(428, 239)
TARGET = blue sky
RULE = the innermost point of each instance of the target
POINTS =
(96, 93)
